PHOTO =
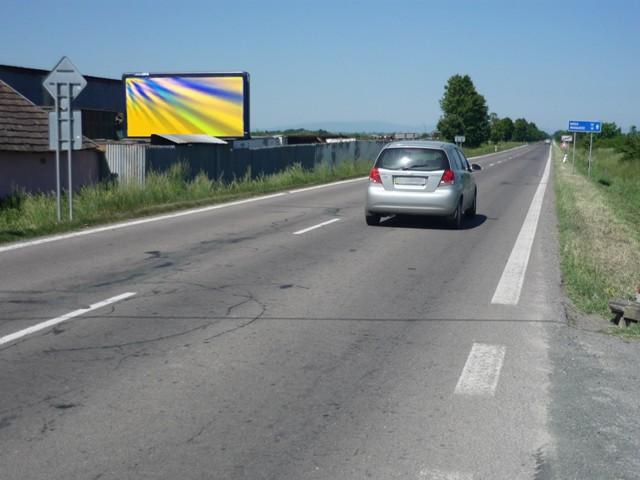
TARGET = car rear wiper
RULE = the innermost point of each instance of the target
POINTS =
(413, 167)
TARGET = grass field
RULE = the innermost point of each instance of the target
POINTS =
(599, 229)
(24, 216)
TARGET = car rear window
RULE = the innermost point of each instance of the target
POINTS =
(419, 159)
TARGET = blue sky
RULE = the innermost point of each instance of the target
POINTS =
(356, 61)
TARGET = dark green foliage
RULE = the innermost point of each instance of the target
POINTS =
(506, 127)
(520, 130)
(630, 146)
(464, 112)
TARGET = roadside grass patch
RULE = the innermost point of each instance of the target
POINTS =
(632, 332)
(26, 215)
(599, 243)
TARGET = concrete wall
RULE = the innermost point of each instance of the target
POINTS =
(36, 172)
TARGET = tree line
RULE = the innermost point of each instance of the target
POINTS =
(465, 112)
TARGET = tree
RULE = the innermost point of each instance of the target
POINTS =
(610, 130)
(630, 146)
(506, 125)
(496, 128)
(465, 112)
(450, 126)
(520, 129)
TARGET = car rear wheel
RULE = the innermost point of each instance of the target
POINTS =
(471, 212)
(372, 219)
(455, 220)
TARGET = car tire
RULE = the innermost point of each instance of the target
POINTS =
(471, 212)
(455, 220)
(372, 219)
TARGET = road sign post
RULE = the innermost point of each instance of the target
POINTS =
(581, 126)
(573, 159)
(459, 140)
(590, 147)
(64, 83)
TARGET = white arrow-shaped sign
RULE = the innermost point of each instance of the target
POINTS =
(64, 73)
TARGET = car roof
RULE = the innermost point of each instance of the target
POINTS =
(419, 144)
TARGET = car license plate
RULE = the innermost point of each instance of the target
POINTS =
(420, 181)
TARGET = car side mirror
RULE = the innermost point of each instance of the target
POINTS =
(475, 167)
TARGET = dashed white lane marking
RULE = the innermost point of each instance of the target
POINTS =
(442, 475)
(55, 321)
(510, 284)
(492, 164)
(117, 226)
(481, 371)
(320, 225)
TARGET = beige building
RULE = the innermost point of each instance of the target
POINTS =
(26, 162)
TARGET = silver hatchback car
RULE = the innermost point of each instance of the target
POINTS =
(421, 178)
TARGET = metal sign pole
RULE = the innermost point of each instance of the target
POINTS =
(573, 161)
(64, 74)
(58, 200)
(69, 148)
(590, 146)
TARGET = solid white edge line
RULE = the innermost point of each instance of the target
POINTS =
(117, 226)
(131, 223)
(481, 371)
(510, 284)
(316, 187)
(55, 321)
(497, 153)
(319, 225)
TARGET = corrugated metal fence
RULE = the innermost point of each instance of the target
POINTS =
(130, 162)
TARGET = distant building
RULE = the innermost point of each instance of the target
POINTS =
(101, 102)
(26, 162)
(406, 136)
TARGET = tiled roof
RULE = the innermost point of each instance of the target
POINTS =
(23, 126)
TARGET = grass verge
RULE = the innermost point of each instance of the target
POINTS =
(25, 216)
(490, 148)
(599, 240)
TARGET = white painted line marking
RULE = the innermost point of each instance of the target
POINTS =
(442, 475)
(63, 318)
(481, 372)
(117, 226)
(510, 284)
(316, 187)
(131, 223)
(300, 232)
(492, 164)
(497, 153)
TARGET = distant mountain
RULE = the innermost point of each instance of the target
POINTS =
(357, 127)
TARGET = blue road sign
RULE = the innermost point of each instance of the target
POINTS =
(585, 127)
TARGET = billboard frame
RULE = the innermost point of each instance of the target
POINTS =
(245, 87)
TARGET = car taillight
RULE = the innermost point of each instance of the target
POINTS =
(374, 175)
(448, 178)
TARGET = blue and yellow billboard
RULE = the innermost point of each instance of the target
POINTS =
(215, 104)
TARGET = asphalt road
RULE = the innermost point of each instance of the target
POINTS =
(251, 352)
